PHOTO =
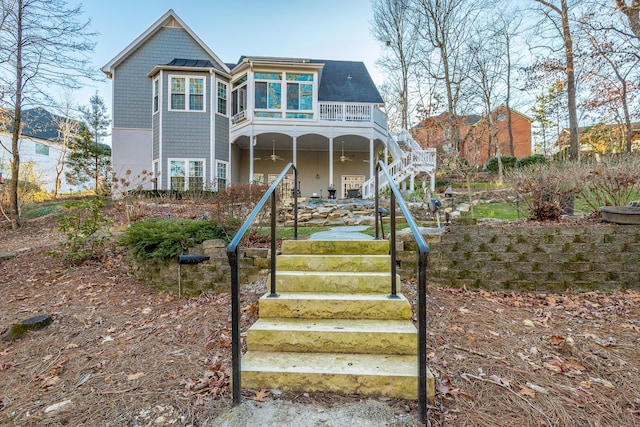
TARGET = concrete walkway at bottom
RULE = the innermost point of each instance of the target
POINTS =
(279, 413)
(347, 232)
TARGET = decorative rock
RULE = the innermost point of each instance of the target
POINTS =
(7, 256)
(213, 243)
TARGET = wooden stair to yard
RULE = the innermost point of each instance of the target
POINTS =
(333, 326)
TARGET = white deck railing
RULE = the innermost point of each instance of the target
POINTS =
(341, 112)
(410, 163)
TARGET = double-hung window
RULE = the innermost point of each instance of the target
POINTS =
(156, 94)
(187, 93)
(186, 174)
(222, 98)
(221, 175)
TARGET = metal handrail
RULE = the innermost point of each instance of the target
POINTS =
(232, 254)
(422, 254)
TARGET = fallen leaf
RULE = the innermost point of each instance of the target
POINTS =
(464, 310)
(49, 382)
(586, 384)
(556, 339)
(260, 395)
(106, 339)
(553, 366)
(607, 384)
(132, 377)
(573, 364)
(551, 301)
(537, 388)
(494, 333)
(485, 293)
(526, 391)
(630, 326)
(527, 322)
(499, 380)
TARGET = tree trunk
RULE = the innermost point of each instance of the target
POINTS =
(14, 203)
(574, 136)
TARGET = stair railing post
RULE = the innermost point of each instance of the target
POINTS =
(377, 202)
(273, 293)
(392, 236)
(296, 188)
(235, 328)
(422, 336)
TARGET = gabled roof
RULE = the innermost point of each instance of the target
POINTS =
(40, 124)
(339, 81)
(169, 18)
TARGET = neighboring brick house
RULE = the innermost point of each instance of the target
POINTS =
(197, 122)
(475, 134)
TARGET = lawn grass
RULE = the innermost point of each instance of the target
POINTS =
(501, 210)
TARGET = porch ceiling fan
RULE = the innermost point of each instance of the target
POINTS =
(274, 157)
(344, 158)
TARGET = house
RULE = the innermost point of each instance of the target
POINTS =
(198, 122)
(475, 133)
(602, 138)
(42, 155)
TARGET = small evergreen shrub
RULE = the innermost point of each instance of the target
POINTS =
(163, 239)
(530, 160)
(508, 162)
(83, 224)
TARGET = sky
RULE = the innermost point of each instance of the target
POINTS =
(325, 29)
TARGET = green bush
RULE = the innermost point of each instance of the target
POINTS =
(83, 224)
(163, 239)
(508, 162)
(530, 160)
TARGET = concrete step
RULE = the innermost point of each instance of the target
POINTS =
(366, 374)
(344, 247)
(333, 335)
(335, 306)
(351, 263)
(334, 281)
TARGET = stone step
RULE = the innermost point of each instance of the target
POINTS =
(333, 335)
(336, 247)
(335, 306)
(366, 374)
(334, 281)
(368, 263)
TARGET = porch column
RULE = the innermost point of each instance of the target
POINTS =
(252, 142)
(372, 167)
(386, 156)
(331, 162)
(295, 151)
(412, 183)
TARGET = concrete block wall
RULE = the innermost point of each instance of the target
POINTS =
(213, 275)
(531, 258)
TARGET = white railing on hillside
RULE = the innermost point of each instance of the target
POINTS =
(411, 162)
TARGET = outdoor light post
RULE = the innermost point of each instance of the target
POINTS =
(448, 193)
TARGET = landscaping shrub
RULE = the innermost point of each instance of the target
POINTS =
(508, 162)
(611, 182)
(544, 189)
(530, 160)
(163, 239)
(83, 224)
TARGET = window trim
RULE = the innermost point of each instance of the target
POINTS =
(226, 98)
(155, 92)
(185, 162)
(283, 111)
(226, 178)
(187, 95)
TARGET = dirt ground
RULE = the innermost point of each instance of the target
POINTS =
(120, 353)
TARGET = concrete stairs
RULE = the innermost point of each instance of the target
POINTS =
(332, 327)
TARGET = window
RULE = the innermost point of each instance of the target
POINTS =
(42, 149)
(268, 93)
(298, 93)
(186, 174)
(179, 99)
(222, 98)
(221, 175)
(239, 99)
(156, 92)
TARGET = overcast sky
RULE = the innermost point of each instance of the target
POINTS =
(326, 29)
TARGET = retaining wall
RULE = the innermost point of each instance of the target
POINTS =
(539, 258)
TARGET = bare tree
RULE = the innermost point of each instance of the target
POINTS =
(552, 12)
(396, 26)
(42, 45)
(632, 12)
(67, 128)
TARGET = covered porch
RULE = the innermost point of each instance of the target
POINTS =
(328, 164)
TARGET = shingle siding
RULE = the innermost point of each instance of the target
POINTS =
(132, 102)
(222, 138)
